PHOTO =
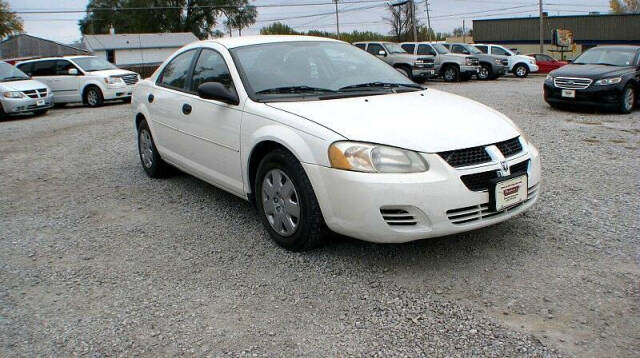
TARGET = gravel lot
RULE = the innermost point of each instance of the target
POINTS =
(97, 259)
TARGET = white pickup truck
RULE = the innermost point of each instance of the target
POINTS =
(519, 65)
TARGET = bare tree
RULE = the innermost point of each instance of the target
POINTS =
(400, 21)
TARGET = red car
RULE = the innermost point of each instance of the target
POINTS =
(547, 63)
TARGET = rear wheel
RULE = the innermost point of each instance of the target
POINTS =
(485, 72)
(451, 74)
(93, 96)
(152, 164)
(287, 204)
(628, 99)
(521, 71)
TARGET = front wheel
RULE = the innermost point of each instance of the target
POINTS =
(451, 74)
(521, 71)
(287, 203)
(93, 97)
(628, 99)
(484, 73)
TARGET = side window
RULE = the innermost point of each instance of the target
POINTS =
(498, 51)
(426, 50)
(409, 47)
(457, 49)
(361, 46)
(447, 46)
(211, 68)
(374, 49)
(482, 48)
(26, 68)
(44, 68)
(176, 73)
(63, 67)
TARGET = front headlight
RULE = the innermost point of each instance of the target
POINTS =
(113, 80)
(608, 81)
(13, 94)
(373, 158)
(533, 62)
(549, 78)
(498, 61)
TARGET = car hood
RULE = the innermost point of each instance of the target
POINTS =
(524, 58)
(24, 85)
(590, 71)
(114, 72)
(427, 121)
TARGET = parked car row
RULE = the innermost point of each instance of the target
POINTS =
(37, 85)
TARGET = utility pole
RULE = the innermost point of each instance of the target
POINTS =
(464, 33)
(413, 20)
(337, 20)
(541, 28)
(426, 4)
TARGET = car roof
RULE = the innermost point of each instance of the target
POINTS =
(233, 42)
(55, 58)
(618, 47)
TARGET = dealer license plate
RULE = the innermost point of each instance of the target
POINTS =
(569, 93)
(510, 192)
(40, 102)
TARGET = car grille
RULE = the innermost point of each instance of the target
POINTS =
(510, 147)
(479, 155)
(131, 79)
(482, 212)
(572, 83)
(504, 62)
(480, 181)
(37, 93)
(398, 217)
(473, 61)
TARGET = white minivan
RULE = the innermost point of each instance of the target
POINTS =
(87, 79)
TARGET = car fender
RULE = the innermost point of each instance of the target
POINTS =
(92, 82)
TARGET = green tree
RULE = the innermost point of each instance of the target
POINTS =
(278, 28)
(147, 16)
(240, 17)
(625, 6)
(9, 22)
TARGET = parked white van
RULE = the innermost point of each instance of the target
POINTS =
(87, 79)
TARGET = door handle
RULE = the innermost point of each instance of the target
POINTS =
(186, 109)
(150, 98)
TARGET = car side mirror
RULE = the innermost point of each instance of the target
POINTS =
(217, 92)
(382, 53)
(72, 72)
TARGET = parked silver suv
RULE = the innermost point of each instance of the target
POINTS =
(417, 68)
(20, 94)
(452, 67)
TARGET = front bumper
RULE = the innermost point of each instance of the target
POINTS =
(421, 72)
(605, 96)
(533, 68)
(500, 70)
(25, 105)
(472, 70)
(121, 92)
(352, 203)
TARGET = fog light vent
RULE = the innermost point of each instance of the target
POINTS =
(398, 217)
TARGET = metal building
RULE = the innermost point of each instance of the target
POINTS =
(588, 31)
(23, 46)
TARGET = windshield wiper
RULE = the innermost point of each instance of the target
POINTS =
(295, 89)
(609, 64)
(377, 85)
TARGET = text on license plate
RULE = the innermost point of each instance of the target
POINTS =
(569, 93)
(40, 102)
(511, 192)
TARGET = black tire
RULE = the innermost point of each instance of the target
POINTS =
(40, 112)
(485, 73)
(310, 230)
(521, 70)
(451, 73)
(627, 99)
(93, 96)
(405, 71)
(156, 167)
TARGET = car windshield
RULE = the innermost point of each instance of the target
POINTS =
(607, 56)
(441, 49)
(309, 69)
(90, 64)
(394, 48)
(471, 49)
(10, 73)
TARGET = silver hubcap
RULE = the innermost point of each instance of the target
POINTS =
(92, 97)
(280, 202)
(521, 71)
(484, 72)
(448, 74)
(146, 148)
(628, 99)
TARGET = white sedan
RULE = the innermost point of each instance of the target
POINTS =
(322, 136)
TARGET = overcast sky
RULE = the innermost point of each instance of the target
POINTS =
(445, 14)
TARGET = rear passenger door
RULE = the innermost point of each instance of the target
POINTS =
(43, 71)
